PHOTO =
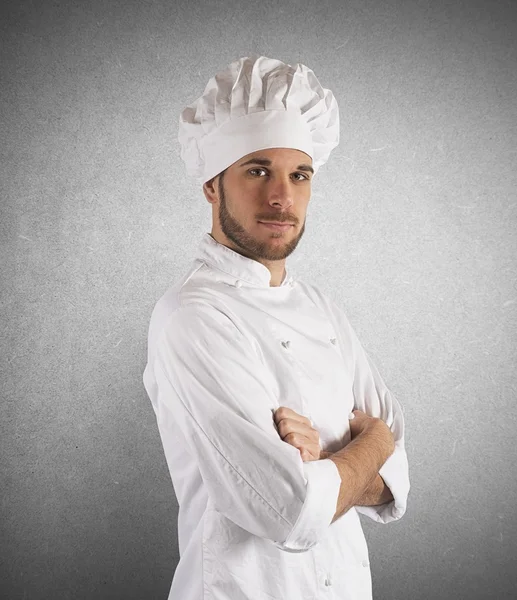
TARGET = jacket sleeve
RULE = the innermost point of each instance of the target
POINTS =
(372, 396)
(213, 384)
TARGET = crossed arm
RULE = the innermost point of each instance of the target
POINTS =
(374, 495)
(296, 430)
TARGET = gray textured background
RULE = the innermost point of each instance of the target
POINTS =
(412, 229)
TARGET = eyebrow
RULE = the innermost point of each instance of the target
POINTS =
(265, 162)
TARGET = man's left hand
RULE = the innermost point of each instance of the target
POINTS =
(297, 430)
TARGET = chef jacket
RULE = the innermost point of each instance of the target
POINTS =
(225, 349)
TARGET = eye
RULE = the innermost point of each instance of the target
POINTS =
(298, 173)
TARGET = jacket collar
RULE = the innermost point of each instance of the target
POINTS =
(235, 266)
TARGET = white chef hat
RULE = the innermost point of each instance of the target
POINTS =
(254, 104)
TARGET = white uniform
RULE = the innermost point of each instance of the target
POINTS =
(224, 350)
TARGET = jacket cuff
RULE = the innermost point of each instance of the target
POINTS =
(394, 472)
(319, 507)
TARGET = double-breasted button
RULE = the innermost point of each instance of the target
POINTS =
(238, 283)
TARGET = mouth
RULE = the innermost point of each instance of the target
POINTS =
(277, 226)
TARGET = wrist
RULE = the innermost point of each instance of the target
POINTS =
(324, 454)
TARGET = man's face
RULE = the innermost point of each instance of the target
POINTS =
(278, 191)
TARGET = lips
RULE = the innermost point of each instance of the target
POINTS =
(277, 227)
(269, 223)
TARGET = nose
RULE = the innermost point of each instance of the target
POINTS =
(280, 192)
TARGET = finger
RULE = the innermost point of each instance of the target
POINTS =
(304, 454)
(290, 427)
(308, 455)
(284, 412)
(359, 413)
(298, 440)
(295, 439)
(303, 444)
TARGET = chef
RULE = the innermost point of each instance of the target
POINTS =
(277, 428)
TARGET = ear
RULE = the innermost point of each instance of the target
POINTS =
(210, 190)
